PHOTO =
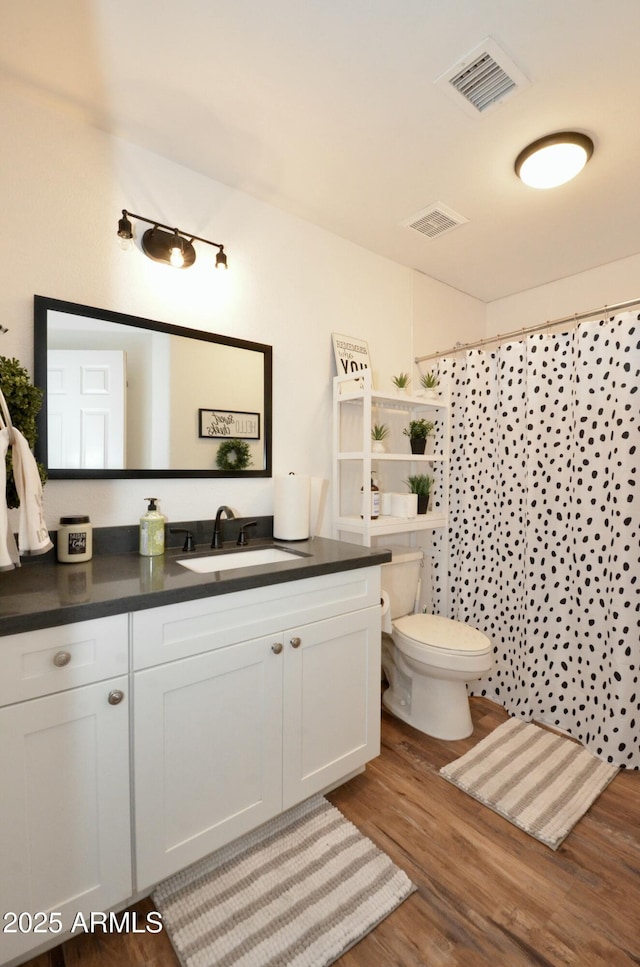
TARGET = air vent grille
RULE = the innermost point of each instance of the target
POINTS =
(483, 79)
(483, 82)
(435, 220)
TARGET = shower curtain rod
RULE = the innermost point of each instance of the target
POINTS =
(550, 324)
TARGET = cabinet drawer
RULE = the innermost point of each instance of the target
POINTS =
(180, 630)
(53, 659)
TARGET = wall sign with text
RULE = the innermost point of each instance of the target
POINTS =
(229, 423)
(351, 354)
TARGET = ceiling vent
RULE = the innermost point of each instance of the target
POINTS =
(485, 78)
(435, 220)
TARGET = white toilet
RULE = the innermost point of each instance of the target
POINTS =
(428, 659)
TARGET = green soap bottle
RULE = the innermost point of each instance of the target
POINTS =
(152, 530)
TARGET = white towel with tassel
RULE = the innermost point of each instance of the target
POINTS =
(9, 557)
(33, 536)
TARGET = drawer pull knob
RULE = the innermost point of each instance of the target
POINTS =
(296, 642)
(61, 659)
(276, 648)
(115, 696)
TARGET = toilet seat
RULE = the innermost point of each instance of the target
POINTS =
(424, 636)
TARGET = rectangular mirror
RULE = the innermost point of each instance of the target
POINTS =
(126, 396)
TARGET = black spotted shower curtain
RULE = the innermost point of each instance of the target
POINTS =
(543, 548)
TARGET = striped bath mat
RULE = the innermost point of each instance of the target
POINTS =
(538, 780)
(299, 891)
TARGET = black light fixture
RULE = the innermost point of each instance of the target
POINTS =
(162, 243)
(554, 159)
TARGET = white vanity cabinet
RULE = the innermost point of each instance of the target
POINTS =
(246, 704)
(65, 843)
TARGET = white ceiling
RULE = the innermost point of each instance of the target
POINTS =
(329, 110)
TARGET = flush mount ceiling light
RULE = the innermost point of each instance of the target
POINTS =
(554, 159)
(165, 244)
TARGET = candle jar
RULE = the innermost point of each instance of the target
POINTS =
(75, 540)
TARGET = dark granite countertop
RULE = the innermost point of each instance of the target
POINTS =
(45, 594)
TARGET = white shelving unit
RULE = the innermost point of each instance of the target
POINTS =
(356, 407)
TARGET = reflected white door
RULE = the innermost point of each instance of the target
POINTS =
(86, 409)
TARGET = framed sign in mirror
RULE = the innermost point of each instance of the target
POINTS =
(124, 396)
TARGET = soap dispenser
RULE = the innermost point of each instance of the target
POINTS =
(152, 530)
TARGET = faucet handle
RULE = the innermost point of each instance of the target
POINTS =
(242, 537)
(188, 541)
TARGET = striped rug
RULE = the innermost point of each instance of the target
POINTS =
(298, 892)
(538, 780)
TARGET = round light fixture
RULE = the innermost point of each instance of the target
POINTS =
(554, 159)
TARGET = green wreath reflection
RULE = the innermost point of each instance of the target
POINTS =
(233, 455)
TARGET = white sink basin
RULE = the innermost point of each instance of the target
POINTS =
(224, 562)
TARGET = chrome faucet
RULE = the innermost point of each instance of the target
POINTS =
(216, 540)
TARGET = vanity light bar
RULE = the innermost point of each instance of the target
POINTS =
(162, 243)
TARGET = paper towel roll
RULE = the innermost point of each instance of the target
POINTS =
(386, 613)
(291, 507)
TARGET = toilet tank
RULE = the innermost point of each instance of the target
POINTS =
(400, 579)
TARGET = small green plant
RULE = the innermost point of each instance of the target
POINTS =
(420, 484)
(24, 401)
(429, 380)
(379, 431)
(401, 381)
(419, 429)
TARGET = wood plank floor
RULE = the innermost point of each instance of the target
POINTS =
(487, 894)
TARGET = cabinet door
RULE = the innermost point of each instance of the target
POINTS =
(65, 841)
(208, 750)
(331, 701)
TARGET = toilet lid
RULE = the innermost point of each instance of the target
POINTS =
(439, 632)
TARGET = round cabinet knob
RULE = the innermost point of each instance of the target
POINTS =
(276, 648)
(61, 659)
(296, 642)
(115, 696)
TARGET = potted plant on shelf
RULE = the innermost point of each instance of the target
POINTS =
(379, 433)
(401, 382)
(429, 382)
(421, 484)
(418, 431)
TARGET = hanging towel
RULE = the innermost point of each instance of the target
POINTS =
(9, 557)
(33, 536)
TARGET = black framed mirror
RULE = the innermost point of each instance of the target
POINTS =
(127, 397)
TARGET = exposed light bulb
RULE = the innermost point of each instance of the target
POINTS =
(176, 256)
(125, 232)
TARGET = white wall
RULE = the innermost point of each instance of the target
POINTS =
(606, 285)
(289, 284)
(443, 316)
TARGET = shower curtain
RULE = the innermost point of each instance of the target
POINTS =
(543, 548)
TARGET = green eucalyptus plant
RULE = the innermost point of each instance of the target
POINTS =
(419, 429)
(24, 401)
